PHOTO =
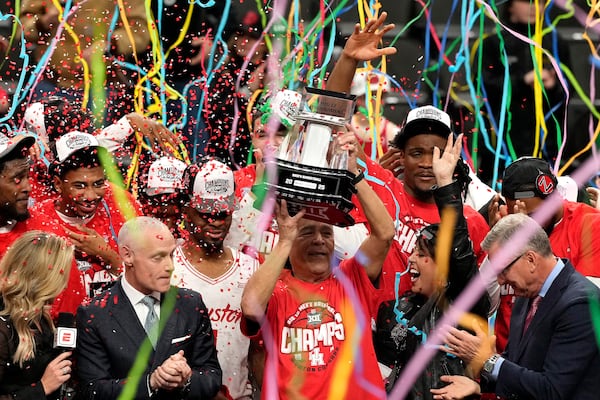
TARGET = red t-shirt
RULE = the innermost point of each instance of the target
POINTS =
(107, 221)
(322, 335)
(10, 233)
(410, 216)
(73, 295)
(576, 237)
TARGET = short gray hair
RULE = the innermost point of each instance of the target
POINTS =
(509, 225)
(135, 230)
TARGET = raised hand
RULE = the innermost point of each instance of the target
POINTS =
(160, 137)
(444, 163)
(392, 161)
(288, 225)
(363, 44)
(594, 194)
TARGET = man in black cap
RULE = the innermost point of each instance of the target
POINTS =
(573, 229)
(14, 188)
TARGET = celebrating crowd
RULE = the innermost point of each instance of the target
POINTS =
(190, 280)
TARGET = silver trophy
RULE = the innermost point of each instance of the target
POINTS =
(312, 172)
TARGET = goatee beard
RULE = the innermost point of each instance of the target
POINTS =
(212, 248)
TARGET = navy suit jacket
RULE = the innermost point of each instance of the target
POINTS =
(109, 335)
(558, 356)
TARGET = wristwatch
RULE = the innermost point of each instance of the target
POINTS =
(359, 177)
(489, 364)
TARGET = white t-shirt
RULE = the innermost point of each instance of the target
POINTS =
(223, 296)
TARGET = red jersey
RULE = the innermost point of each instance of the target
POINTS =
(106, 221)
(576, 237)
(10, 233)
(322, 335)
(410, 216)
(73, 295)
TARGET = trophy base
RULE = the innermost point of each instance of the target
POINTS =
(324, 193)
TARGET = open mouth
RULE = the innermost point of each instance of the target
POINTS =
(414, 274)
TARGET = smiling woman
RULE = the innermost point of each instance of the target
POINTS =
(402, 330)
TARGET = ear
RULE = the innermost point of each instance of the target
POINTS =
(57, 183)
(531, 258)
(126, 254)
(401, 157)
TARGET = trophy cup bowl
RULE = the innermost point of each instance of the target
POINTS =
(305, 178)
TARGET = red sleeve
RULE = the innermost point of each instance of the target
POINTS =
(368, 294)
(384, 184)
(73, 295)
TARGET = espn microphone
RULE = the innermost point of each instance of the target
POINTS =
(65, 338)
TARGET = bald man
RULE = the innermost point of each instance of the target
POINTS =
(111, 329)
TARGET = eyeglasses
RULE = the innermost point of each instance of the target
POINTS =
(509, 265)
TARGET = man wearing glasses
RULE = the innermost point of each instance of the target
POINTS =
(572, 228)
(552, 351)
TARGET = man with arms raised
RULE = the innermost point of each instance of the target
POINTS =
(311, 311)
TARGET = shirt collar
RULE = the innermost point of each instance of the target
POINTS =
(134, 295)
(551, 277)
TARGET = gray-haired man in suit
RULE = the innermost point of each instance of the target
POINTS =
(552, 351)
(112, 328)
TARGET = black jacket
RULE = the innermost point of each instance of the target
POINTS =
(24, 383)
(421, 314)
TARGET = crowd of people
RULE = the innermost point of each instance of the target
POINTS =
(189, 280)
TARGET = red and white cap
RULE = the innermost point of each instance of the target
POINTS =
(165, 176)
(15, 143)
(212, 188)
(72, 142)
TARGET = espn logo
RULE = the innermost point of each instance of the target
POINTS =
(65, 337)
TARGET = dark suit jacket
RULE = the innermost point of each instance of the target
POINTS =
(110, 335)
(558, 356)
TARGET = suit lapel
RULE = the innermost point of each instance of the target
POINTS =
(516, 327)
(547, 304)
(124, 316)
